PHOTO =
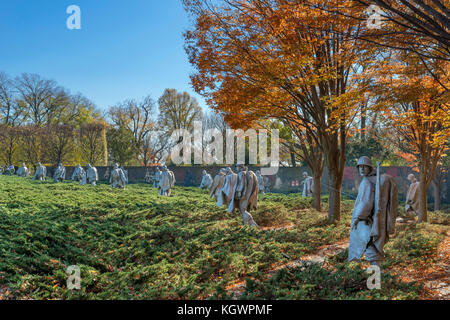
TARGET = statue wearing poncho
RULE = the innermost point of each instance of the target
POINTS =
(216, 187)
(412, 197)
(374, 214)
(117, 179)
(241, 191)
(23, 171)
(78, 174)
(60, 173)
(125, 172)
(261, 182)
(166, 182)
(91, 175)
(156, 177)
(206, 180)
(308, 185)
(40, 173)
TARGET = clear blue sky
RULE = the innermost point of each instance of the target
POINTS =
(125, 49)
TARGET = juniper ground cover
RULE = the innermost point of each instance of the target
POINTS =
(134, 244)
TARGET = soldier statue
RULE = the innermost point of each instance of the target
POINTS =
(156, 177)
(125, 172)
(148, 176)
(206, 180)
(91, 175)
(41, 172)
(60, 173)
(241, 191)
(78, 174)
(166, 182)
(261, 182)
(117, 179)
(412, 196)
(308, 185)
(23, 171)
(216, 186)
(374, 214)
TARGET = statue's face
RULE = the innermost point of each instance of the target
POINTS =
(305, 174)
(116, 166)
(364, 170)
(411, 178)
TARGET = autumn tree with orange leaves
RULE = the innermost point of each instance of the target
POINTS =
(416, 109)
(281, 59)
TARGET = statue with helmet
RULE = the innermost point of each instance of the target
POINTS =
(23, 171)
(60, 173)
(78, 174)
(91, 176)
(156, 177)
(216, 186)
(374, 213)
(240, 191)
(206, 180)
(308, 185)
(166, 182)
(117, 178)
(412, 196)
(41, 172)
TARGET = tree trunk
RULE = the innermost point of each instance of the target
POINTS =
(294, 164)
(317, 191)
(437, 195)
(335, 181)
(422, 199)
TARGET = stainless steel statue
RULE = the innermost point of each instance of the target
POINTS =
(216, 186)
(156, 177)
(107, 174)
(206, 180)
(412, 196)
(241, 191)
(374, 214)
(118, 178)
(78, 174)
(23, 171)
(148, 176)
(125, 172)
(308, 185)
(261, 182)
(91, 176)
(41, 172)
(166, 182)
(60, 173)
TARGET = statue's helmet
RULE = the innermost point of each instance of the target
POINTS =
(411, 177)
(116, 165)
(305, 173)
(364, 161)
(88, 165)
(258, 172)
(204, 172)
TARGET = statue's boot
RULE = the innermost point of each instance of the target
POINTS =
(248, 219)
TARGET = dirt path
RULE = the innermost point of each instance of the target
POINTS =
(435, 276)
(237, 288)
